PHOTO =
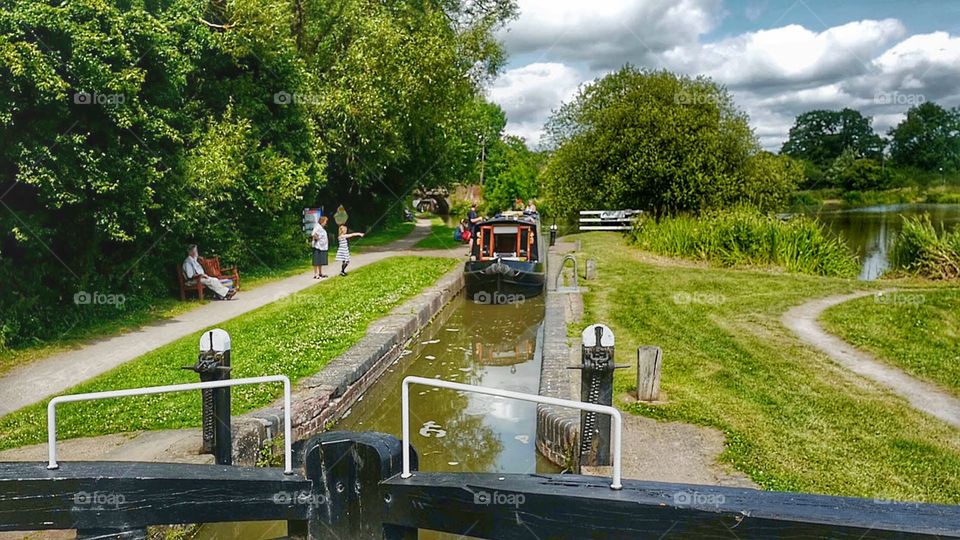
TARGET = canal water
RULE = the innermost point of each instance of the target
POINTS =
(871, 231)
(486, 345)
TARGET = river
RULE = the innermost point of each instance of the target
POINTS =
(871, 231)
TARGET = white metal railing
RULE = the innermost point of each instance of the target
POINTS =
(607, 220)
(590, 407)
(287, 437)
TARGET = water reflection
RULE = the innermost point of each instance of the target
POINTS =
(488, 345)
(871, 231)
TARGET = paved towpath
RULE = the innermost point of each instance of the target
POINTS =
(802, 320)
(50, 376)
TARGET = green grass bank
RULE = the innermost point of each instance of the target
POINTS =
(793, 420)
(295, 336)
(917, 331)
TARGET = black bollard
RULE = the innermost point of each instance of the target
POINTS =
(553, 234)
(213, 364)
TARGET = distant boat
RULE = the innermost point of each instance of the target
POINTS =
(508, 261)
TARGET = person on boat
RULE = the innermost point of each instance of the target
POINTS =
(321, 244)
(192, 269)
(473, 221)
(343, 249)
(531, 208)
(518, 205)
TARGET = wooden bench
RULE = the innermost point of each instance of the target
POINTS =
(229, 276)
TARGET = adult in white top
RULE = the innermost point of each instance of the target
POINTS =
(193, 269)
(321, 243)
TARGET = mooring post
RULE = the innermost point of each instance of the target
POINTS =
(346, 469)
(649, 364)
(596, 386)
(213, 364)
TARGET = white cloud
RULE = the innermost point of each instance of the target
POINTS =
(528, 94)
(604, 34)
(774, 74)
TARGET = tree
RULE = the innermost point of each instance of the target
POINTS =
(655, 141)
(820, 136)
(512, 171)
(927, 139)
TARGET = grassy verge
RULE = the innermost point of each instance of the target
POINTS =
(378, 237)
(441, 236)
(296, 336)
(938, 194)
(159, 309)
(747, 238)
(793, 420)
(917, 331)
(155, 310)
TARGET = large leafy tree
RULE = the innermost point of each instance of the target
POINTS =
(927, 139)
(131, 129)
(820, 136)
(512, 171)
(656, 141)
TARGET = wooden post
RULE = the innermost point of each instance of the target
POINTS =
(649, 363)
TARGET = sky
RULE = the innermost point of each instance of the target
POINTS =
(778, 58)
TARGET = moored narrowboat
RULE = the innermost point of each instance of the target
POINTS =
(508, 260)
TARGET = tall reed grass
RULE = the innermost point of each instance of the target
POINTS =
(744, 236)
(921, 250)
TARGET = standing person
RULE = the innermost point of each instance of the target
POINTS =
(192, 269)
(473, 221)
(343, 249)
(321, 243)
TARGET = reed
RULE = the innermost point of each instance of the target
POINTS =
(746, 237)
(920, 249)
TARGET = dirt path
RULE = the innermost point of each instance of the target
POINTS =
(31, 383)
(802, 321)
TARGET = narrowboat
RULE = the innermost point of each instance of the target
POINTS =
(508, 260)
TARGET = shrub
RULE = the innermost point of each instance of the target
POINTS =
(921, 250)
(745, 236)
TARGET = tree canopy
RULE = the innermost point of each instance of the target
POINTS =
(132, 129)
(820, 136)
(656, 141)
(928, 139)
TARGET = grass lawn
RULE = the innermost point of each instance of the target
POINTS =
(165, 308)
(441, 236)
(379, 237)
(295, 336)
(917, 331)
(793, 420)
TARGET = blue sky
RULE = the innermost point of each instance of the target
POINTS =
(779, 58)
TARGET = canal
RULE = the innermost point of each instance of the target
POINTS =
(488, 345)
(871, 231)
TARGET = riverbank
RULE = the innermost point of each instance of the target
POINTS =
(793, 420)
